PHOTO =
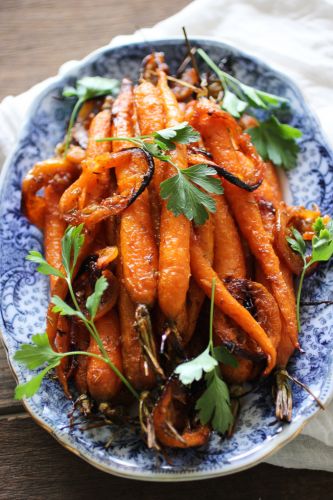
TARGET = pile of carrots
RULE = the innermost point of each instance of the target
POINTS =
(160, 266)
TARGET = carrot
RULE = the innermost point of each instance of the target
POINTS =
(229, 260)
(151, 118)
(137, 242)
(90, 187)
(204, 274)
(174, 263)
(136, 368)
(42, 174)
(167, 414)
(216, 135)
(196, 295)
(103, 383)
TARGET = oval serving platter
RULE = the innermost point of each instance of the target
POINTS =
(24, 292)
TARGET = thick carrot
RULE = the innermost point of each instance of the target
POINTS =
(174, 263)
(103, 383)
(204, 274)
(136, 368)
(137, 242)
(90, 187)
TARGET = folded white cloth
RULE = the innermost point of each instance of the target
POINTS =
(295, 37)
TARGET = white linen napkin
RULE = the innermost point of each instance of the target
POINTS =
(295, 37)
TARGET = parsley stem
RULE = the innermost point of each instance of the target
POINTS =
(299, 293)
(74, 114)
(135, 140)
(211, 316)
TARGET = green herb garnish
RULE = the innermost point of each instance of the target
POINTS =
(275, 141)
(182, 190)
(214, 404)
(40, 352)
(321, 251)
(184, 197)
(239, 96)
(87, 88)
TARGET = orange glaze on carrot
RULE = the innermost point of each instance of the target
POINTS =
(137, 242)
(103, 383)
(174, 264)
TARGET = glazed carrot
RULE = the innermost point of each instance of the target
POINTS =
(246, 211)
(103, 383)
(80, 339)
(33, 206)
(229, 260)
(136, 367)
(204, 274)
(174, 263)
(90, 186)
(196, 295)
(137, 242)
(151, 118)
(167, 415)
(54, 229)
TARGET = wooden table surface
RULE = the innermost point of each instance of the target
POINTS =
(36, 36)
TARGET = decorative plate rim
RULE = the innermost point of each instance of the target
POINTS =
(290, 431)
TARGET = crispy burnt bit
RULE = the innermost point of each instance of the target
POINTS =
(172, 418)
(185, 87)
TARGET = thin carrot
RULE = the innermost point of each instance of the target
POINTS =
(174, 263)
(103, 383)
(137, 242)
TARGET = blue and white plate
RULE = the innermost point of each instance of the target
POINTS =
(24, 292)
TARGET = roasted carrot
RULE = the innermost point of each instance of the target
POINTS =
(216, 134)
(90, 186)
(174, 262)
(137, 369)
(204, 274)
(137, 242)
(103, 383)
(151, 118)
(42, 174)
(196, 295)
(229, 260)
(169, 413)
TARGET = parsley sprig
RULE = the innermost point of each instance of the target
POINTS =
(237, 95)
(274, 141)
(185, 190)
(40, 353)
(321, 251)
(87, 88)
(214, 404)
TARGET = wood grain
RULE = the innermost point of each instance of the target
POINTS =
(41, 469)
(37, 36)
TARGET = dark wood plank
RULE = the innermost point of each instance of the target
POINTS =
(39, 468)
(7, 385)
(37, 36)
